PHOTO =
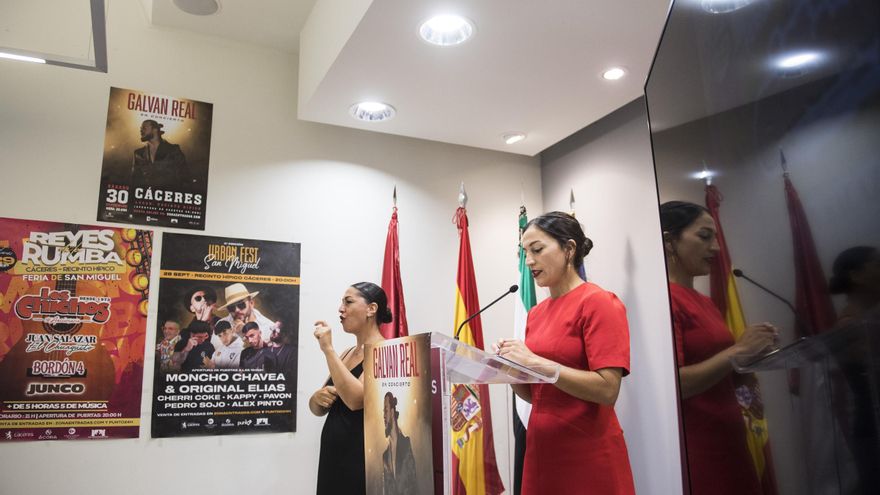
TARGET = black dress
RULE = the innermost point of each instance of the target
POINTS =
(341, 464)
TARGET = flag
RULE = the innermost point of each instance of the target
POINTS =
(523, 304)
(392, 285)
(748, 391)
(474, 471)
(812, 300)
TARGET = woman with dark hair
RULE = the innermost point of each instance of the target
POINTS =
(855, 349)
(574, 444)
(719, 461)
(856, 273)
(341, 464)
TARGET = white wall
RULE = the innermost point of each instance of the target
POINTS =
(610, 168)
(272, 177)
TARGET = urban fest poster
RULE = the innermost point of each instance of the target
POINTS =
(226, 346)
(155, 168)
(73, 306)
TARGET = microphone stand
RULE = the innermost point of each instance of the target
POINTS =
(511, 290)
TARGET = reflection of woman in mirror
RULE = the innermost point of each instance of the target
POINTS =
(718, 457)
(574, 444)
(856, 273)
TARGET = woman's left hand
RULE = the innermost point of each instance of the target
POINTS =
(324, 336)
(516, 350)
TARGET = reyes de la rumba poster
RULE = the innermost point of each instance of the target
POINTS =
(73, 306)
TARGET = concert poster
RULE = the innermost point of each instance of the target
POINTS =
(226, 344)
(398, 411)
(155, 166)
(73, 311)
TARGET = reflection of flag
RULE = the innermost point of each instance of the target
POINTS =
(392, 285)
(748, 392)
(474, 470)
(812, 299)
(523, 304)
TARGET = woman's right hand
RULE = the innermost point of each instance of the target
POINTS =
(326, 396)
(757, 338)
(324, 336)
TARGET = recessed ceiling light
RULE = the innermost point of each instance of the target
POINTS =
(723, 6)
(198, 7)
(797, 60)
(22, 58)
(703, 175)
(614, 73)
(796, 64)
(446, 30)
(513, 137)
(372, 111)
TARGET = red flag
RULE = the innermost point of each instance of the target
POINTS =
(748, 391)
(474, 470)
(812, 299)
(391, 284)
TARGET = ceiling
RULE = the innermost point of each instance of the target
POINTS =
(532, 67)
(708, 64)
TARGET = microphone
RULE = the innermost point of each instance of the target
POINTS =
(739, 274)
(511, 290)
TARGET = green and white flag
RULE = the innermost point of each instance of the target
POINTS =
(523, 304)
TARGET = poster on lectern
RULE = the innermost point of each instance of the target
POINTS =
(226, 343)
(398, 412)
(73, 312)
(155, 166)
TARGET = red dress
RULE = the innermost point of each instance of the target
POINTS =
(574, 446)
(715, 433)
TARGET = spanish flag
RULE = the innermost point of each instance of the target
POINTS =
(748, 391)
(474, 471)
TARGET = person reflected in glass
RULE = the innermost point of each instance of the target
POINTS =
(719, 461)
(341, 461)
(855, 347)
(574, 443)
(856, 273)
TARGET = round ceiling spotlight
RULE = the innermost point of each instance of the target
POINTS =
(723, 6)
(614, 73)
(446, 30)
(198, 7)
(513, 137)
(372, 111)
(797, 60)
(796, 64)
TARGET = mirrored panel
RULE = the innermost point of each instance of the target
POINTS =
(765, 125)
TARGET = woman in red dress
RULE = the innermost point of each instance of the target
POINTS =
(719, 461)
(574, 444)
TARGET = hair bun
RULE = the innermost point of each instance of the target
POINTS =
(587, 246)
(385, 315)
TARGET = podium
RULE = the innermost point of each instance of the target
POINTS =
(837, 404)
(421, 393)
